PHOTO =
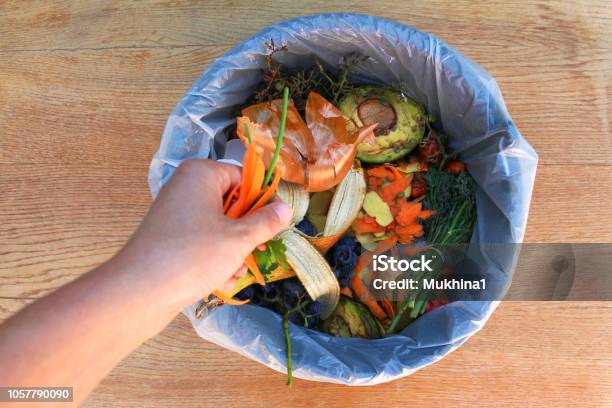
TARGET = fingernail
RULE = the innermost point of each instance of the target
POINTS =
(283, 211)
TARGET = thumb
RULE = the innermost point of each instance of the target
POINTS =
(267, 221)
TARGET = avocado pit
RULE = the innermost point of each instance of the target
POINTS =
(375, 110)
(398, 118)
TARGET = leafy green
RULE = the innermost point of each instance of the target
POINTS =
(278, 250)
(273, 257)
(454, 200)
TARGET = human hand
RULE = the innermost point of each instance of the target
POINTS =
(186, 240)
(184, 249)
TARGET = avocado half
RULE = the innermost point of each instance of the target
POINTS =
(401, 122)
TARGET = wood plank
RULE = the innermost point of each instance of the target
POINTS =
(93, 24)
(110, 106)
(177, 368)
(568, 205)
(102, 107)
(544, 363)
(85, 90)
(60, 221)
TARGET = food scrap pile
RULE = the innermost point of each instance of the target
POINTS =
(363, 169)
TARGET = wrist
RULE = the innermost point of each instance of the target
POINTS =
(157, 276)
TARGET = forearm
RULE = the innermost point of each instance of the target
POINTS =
(184, 249)
(76, 335)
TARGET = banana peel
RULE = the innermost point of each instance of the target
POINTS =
(296, 197)
(306, 263)
(312, 270)
(343, 209)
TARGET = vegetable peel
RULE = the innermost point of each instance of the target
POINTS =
(317, 153)
(375, 206)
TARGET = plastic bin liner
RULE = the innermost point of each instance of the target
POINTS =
(467, 104)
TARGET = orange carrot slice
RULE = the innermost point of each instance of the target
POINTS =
(376, 309)
(408, 212)
(380, 172)
(346, 291)
(425, 214)
(249, 165)
(369, 219)
(250, 263)
(230, 197)
(407, 239)
(362, 227)
(412, 229)
(268, 193)
(385, 245)
(256, 181)
(392, 169)
(388, 308)
(364, 295)
(389, 192)
(408, 233)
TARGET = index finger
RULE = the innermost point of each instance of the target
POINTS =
(229, 175)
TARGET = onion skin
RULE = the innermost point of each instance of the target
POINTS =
(317, 153)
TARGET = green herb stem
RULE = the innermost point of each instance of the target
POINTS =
(247, 132)
(398, 316)
(279, 139)
(452, 228)
(288, 343)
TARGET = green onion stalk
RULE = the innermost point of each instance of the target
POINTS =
(269, 172)
(267, 178)
(279, 139)
(288, 344)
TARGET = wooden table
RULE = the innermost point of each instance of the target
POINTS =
(85, 90)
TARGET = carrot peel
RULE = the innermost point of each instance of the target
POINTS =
(254, 191)
(346, 291)
(364, 295)
(388, 308)
(267, 193)
(252, 265)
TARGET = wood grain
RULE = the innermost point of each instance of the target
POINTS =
(534, 366)
(94, 24)
(85, 90)
(568, 204)
(550, 368)
(100, 107)
(122, 96)
(61, 221)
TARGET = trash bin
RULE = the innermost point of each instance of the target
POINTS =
(469, 107)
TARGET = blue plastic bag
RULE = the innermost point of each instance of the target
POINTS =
(467, 104)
